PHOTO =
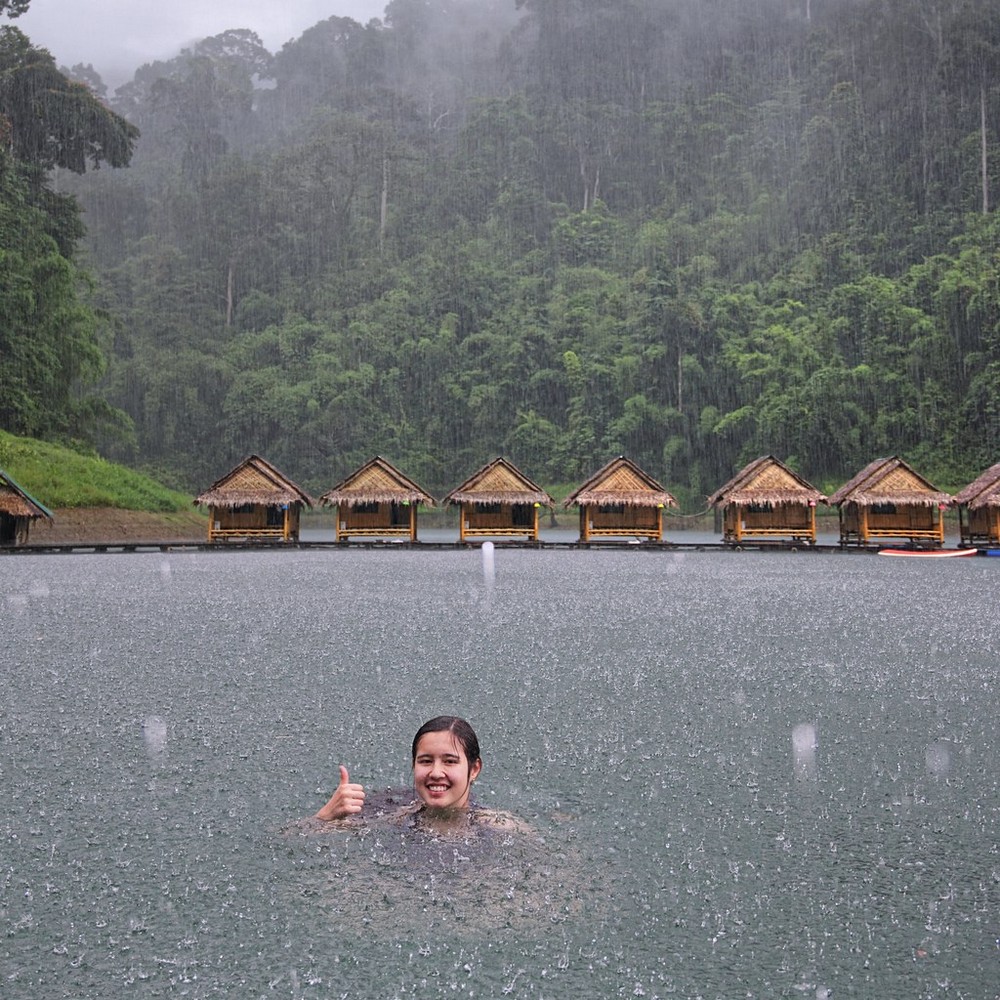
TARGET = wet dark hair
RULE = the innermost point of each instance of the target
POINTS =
(459, 728)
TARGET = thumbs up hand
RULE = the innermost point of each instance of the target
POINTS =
(347, 800)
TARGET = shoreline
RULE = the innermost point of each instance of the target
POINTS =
(111, 524)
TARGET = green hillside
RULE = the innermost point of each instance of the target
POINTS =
(60, 477)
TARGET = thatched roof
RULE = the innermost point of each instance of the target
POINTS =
(377, 481)
(17, 502)
(499, 482)
(254, 481)
(621, 482)
(766, 480)
(892, 481)
(983, 492)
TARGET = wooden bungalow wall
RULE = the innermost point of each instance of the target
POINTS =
(918, 522)
(620, 519)
(500, 519)
(981, 525)
(769, 520)
(253, 521)
(375, 519)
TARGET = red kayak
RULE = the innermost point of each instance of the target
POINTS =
(925, 553)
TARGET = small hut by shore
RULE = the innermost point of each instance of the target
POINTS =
(979, 509)
(620, 500)
(376, 501)
(18, 511)
(767, 500)
(498, 500)
(254, 501)
(889, 499)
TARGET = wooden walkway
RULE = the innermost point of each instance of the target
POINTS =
(258, 545)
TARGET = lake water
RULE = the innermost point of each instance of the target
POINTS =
(748, 774)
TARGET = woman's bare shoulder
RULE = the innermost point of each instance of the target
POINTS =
(500, 820)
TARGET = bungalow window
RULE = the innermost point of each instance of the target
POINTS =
(244, 508)
(883, 508)
(275, 517)
(8, 529)
(522, 515)
(368, 507)
(611, 508)
(488, 508)
(759, 508)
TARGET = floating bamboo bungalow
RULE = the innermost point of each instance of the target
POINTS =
(254, 501)
(620, 500)
(499, 500)
(888, 499)
(18, 511)
(766, 500)
(376, 501)
(979, 509)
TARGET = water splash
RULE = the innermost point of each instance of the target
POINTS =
(937, 760)
(804, 751)
(154, 733)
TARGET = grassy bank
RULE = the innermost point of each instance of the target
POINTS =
(61, 478)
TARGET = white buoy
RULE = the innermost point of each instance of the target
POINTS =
(489, 569)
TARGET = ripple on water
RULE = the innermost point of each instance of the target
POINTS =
(383, 879)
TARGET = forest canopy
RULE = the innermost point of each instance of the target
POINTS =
(559, 230)
(50, 335)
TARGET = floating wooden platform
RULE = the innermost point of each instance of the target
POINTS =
(259, 545)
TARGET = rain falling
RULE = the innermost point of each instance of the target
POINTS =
(691, 235)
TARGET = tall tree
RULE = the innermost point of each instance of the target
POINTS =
(972, 40)
(51, 121)
(51, 339)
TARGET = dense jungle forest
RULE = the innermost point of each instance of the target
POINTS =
(691, 232)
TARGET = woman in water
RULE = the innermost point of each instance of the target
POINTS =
(446, 762)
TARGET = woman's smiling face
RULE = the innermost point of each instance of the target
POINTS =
(442, 774)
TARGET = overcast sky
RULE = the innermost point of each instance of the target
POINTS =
(118, 36)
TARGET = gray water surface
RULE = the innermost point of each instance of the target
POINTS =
(747, 775)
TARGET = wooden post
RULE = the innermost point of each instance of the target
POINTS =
(862, 524)
(534, 530)
(286, 526)
(584, 525)
(413, 521)
(812, 522)
(461, 522)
